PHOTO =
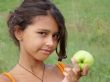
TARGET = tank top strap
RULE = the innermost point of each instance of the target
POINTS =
(61, 66)
(9, 76)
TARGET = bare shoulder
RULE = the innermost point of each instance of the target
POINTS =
(57, 71)
(3, 78)
(54, 73)
(53, 69)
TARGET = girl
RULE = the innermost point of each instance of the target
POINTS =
(38, 28)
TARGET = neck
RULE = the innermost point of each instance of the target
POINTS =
(30, 63)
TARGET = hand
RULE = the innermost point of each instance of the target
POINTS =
(73, 73)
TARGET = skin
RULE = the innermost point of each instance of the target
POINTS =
(37, 42)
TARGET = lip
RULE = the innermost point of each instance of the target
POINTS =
(46, 51)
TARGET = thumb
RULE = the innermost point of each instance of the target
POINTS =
(65, 80)
(75, 64)
(76, 67)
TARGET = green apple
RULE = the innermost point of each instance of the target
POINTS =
(83, 58)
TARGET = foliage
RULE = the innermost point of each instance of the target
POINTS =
(87, 23)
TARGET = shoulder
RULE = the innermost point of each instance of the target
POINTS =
(56, 70)
(4, 78)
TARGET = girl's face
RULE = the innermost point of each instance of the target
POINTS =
(40, 39)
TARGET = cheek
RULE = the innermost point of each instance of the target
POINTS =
(32, 43)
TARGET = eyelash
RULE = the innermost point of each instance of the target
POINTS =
(42, 33)
(55, 36)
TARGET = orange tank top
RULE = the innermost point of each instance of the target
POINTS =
(60, 65)
(9, 76)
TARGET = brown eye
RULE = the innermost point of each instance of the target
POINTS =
(55, 36)
(42, 33)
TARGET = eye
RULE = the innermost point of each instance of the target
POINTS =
(55, 36)
(42, 33)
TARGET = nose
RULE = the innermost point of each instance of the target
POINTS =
(49, 41)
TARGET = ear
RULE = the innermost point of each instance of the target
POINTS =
(18, 33)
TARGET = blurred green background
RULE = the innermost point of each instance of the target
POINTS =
(88, 25)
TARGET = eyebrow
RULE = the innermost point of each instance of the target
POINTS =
(46, 30)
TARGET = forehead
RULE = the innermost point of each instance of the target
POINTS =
(44, 22)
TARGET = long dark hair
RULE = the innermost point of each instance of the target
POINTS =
(23, 15)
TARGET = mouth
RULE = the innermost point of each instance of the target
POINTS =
(46, 51)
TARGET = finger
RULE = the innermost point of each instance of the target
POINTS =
(73, 60)
(85, 70)
(67, 69)
(67, 73)
(76, 69)
(76, 66)
(71, 76)
(77, 75)
(71, 73)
